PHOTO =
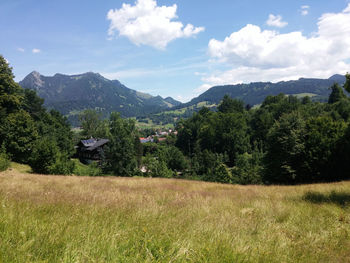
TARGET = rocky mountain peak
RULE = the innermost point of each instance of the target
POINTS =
(34, 79)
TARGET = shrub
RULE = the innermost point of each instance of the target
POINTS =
(62, 165)
(4, 162)
(44, 155)
(156, 168)
(47, 159)
(220, 174)
(248, 169)
(94, 170)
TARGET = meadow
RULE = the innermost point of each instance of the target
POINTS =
(109, 219)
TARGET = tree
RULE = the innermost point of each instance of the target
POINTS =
(10, 91)
(120, 153)
(336, 95)
(322, 134)
(347, 82)
(231, 105)
(33, 104)
(173, 157)
(92, 124)
(285, 149)
(19, 134)
(44, 155)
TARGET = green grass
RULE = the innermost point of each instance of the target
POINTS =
(301, 95)
(106, 219)
(22, 168)
(150, 124)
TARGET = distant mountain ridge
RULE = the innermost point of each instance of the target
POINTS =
(70, 94)
(255, 92)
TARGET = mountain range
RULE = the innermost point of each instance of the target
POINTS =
(254, 93)
(71, 94)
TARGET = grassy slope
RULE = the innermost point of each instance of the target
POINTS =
(82, 219)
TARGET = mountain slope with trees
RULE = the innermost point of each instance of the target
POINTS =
(72, 94)
(255, 92)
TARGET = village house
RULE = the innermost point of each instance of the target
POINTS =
(91, 150)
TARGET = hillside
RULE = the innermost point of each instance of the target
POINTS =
(254, 93)
(72, 94)
(89, 219)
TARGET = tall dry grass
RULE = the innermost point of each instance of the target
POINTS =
(84, 219)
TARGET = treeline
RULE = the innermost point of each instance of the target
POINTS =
(285, 141)
(28, 133)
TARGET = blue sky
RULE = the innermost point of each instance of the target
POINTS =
(177, 48)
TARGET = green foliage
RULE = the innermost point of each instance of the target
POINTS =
(44, 155)
(229, 105)
(92, 169)
(10, 92)
(156, 167)
(347, 82)
(4, 160)
(223, 133)
(285, 148)
(19, 134)
(25, 127)
(220, 174)
(62, 165)
(57, 127)
(121, 154)
(33, 104)
(321, 138)
(248, 168)
(210, 167)
(46, 158)
(337, 94)
(172, 157)
(92, 124)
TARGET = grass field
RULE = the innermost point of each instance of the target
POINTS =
(106, 219)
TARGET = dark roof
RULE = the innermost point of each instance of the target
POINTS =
(92, 144)
(89, 142)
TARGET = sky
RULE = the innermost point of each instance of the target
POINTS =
(177, 48)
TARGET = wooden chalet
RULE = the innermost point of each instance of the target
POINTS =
(91, 150)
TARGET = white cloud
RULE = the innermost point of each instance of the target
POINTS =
(276, 21)
(146, 23)
(36, 50)
(20, 49)
(304, 10)
(256, 55)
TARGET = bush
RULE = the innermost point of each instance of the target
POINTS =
(156, 168)
(248, 169)
(44, 155)
(62, 165)
(47, 159)
(94, 170)
(220, 174)
(4, 162)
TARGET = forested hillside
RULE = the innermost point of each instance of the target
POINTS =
(70, 95)
(254, 93)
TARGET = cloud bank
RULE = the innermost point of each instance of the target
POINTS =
(253, 54)
(146, 23)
